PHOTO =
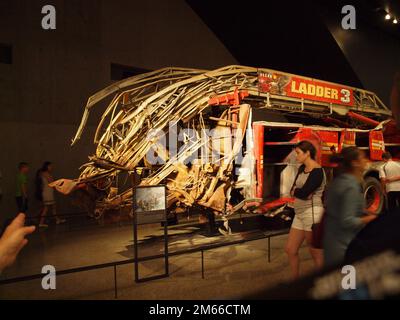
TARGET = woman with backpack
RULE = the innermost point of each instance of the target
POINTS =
(46, 194)
(307, 190)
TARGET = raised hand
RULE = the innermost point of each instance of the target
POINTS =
(13, 240)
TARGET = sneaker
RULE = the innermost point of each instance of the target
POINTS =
(223, 232)
(60, 221)
(225, 229)
(43, 225)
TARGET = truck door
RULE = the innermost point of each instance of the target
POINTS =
(376, 145)
(347, 139)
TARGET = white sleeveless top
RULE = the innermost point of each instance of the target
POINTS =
(300, 205)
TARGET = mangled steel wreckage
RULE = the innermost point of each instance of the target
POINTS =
(193, 131)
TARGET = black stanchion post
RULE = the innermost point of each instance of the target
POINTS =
(269, 249)
(135, 245)
(115, 282)
(202, 264)
(166, 243)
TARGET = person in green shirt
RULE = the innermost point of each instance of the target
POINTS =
(21, 195)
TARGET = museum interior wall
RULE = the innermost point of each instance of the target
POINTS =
(306, 38)
(40, 108)
(283, 36)
(373, 55)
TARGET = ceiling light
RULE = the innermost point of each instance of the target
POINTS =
(387, 17)
(395, 21)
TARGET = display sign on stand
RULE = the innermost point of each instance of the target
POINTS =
(149, 206)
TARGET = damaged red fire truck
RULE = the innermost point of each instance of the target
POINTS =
(155, 122)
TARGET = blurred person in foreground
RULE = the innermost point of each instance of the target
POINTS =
(13, 240)
(345, 213)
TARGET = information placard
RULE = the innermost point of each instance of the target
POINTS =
(149, 204)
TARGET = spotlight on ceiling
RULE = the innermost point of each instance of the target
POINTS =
(395, 21)
(387, 17)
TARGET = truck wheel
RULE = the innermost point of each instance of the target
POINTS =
(374, 195)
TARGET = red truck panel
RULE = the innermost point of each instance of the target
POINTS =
(376, 145)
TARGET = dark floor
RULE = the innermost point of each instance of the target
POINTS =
(230, 271)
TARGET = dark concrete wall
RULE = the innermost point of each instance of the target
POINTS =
(374, 57)
(373, 54)
(44, 90)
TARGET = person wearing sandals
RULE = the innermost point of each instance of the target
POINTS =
(307, 190)
(46, 194)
